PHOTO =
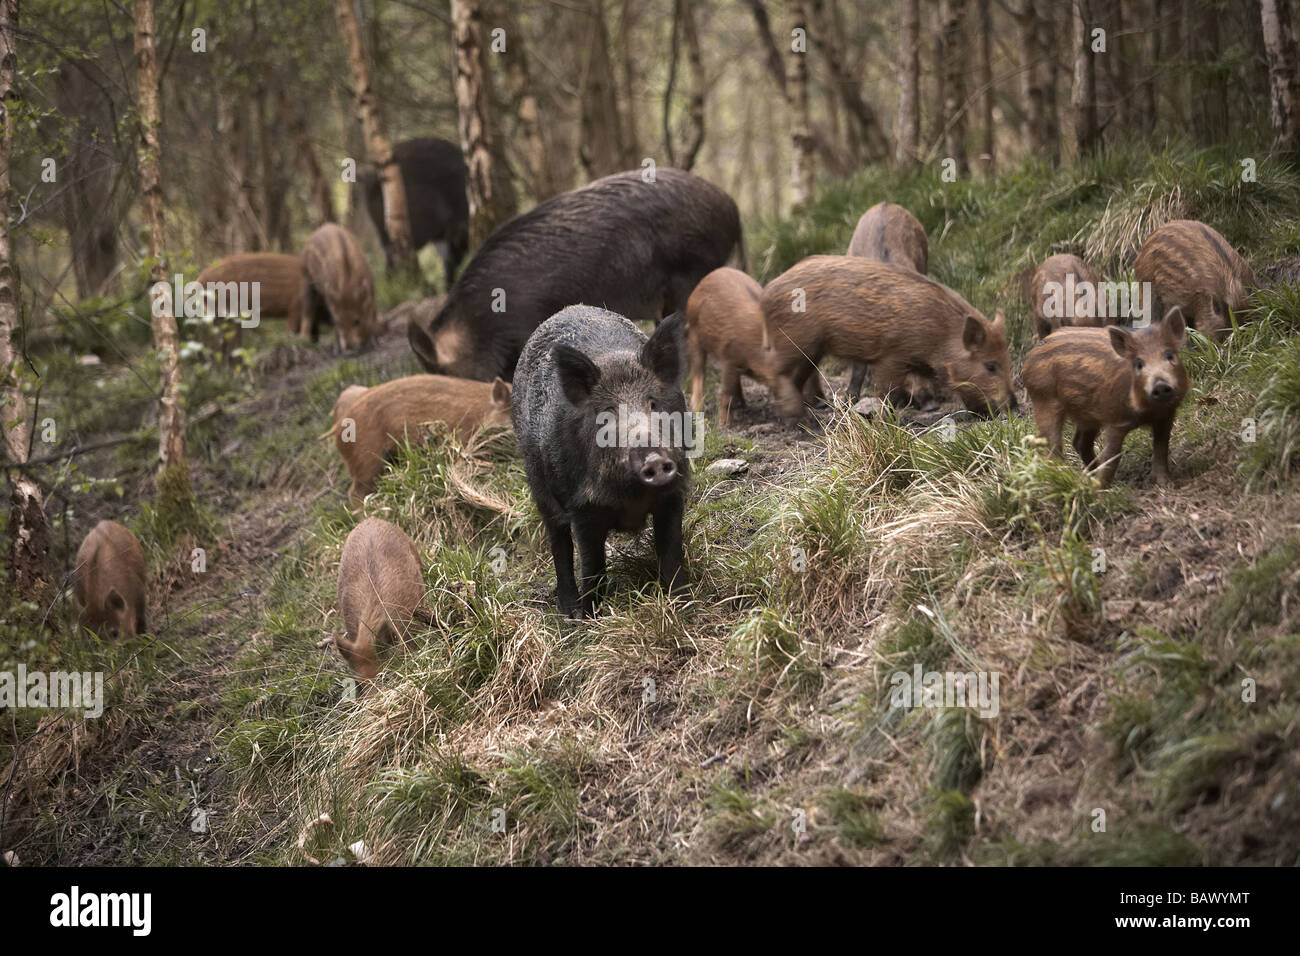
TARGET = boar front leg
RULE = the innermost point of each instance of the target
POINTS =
(566, 589)
(1049, 420)
(591, 557)
(1114, 445)
(856, 380)
(1085, 440)
(1160, 432)
(668, 545)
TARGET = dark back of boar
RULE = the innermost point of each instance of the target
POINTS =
(1046, 298)
(1109, 381)
(384, 415)
(433, 175)
(601, 423)
(380, 588)
(337, 287)
(723, 319)
(889, 233)
(636, 248)
(1191, 266)
(894, 319)
(109, 581)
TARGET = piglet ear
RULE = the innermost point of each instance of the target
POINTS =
(662, 353)
(1000, 322)
(1121, 340)
(973, 334)
(115, 600)
(578, 374)
(500, 393)
(1175, 326)
(422, 345)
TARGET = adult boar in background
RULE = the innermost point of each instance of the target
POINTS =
(633, 247)
(601, 423)
(433, 175)
(337, 287)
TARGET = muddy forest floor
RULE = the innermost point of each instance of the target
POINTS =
(1145, 639)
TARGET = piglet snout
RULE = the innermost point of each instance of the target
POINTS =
(1162, 391)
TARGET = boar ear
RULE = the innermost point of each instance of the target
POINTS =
(973, 335)
(1000, 322)
(1175, 325)
(115, 601)
(662, 353)
(422, 346)
(1121, 340)
(578, 374)
(500, 393)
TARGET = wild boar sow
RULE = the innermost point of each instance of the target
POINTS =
(601, 424)
(723, 319)
(1191, 266)
(1048, 294)
(109, 581)
(891, 318)
(888, 233)
(433, 176)
(380, 589)
(383, 415)
(635, 247)
(1109, 381)
(337, 287)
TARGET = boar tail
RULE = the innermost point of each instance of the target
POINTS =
(334, 430)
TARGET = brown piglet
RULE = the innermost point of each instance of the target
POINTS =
(1049, 294)
(279, 286)
(723, 319)
(889, 317)
(381, 589)
(1109, 381)
(109, 581)
(337, 286)
(889, 233)
(384, 415)
(1191, 266)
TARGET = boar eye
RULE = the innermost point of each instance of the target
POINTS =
(1169, 355)
(991, 367)
(654, 406)
(1139, 364)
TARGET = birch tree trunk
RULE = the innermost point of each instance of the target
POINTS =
(379, 149)
(1284, 105)
(174, 473)
(488, 208)
(909, 83)
(1085, 82)
(803, 144)
(29, 532)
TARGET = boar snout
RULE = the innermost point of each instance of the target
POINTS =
(1162, 391)
(654, 468)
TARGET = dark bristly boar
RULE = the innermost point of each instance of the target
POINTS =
(1191, 266)
(384, 415)
(109, 581)
(889, 317)
(723, 319)
(381, 589)
(637, 248)
(601, 423)
(279, 279)
(337, 287)
(1109, 381)
(1045, 299)
(433, 175)
(889, 233)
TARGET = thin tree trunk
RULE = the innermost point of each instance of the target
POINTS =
(861, 112)
(378, 147)
(29, 532)
(1085, 82)
(953, 15)
(631, 138)
(1284, 105)
(804, 144)
(987, 132)
(174, 476)
(487, 208)
(601, 149)
(1033, 127)
(683, 30)
(909, 83)
(1051, 27)
(318, 186)
(531, 142)
(771, 53)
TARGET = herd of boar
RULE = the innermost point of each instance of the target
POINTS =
(539, 333)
